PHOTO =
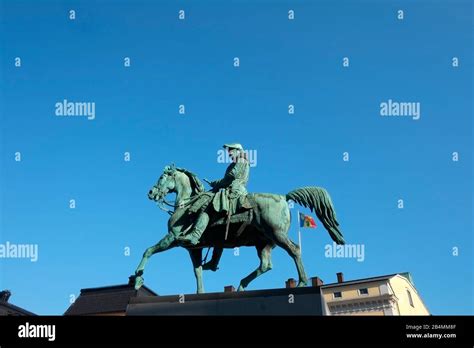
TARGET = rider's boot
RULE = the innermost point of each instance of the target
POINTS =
(213, 264)
(197, 231)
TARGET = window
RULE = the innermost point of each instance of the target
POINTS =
(337, 294)
(410, 299)
(363, 291)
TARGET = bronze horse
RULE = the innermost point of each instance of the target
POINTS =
(268, 227)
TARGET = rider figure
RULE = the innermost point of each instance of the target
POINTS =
(228, 191)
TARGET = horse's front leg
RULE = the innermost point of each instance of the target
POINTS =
(166, 243)
(196, 258)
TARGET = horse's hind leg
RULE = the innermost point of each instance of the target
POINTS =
(264, 253)
(196, 258)
(282, 240)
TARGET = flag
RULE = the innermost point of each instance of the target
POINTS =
(307, 221)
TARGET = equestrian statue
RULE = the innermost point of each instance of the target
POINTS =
(227, 216)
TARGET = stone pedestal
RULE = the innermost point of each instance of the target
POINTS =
(289, 301)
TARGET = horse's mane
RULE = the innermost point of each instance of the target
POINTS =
(196, 184)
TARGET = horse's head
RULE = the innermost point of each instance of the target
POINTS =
(166, 184)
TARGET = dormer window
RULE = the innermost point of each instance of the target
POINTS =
(410, 299)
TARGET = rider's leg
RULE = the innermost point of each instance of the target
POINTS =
(198, 229)
(214, 262)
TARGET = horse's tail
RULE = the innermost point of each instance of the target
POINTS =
(319, 201)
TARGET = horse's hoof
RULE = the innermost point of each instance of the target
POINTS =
(139, 282)
(301, 284)
(240, 288)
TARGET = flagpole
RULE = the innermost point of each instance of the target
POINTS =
(299, 233)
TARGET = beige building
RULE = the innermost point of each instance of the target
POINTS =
(393, 294)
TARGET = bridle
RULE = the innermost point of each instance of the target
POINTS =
(162, 201)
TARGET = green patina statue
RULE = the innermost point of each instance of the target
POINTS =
(228, 217)
(227, 192)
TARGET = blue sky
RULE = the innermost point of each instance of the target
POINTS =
(190, 62)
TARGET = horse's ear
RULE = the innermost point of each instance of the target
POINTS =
(173, 167)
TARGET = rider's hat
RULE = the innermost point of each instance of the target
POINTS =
(233, 146)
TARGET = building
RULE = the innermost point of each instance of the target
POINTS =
(120, 300)
(107, 300)
(6, 308)
(393, 294)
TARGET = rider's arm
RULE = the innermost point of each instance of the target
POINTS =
(229, 176)
(224, 182)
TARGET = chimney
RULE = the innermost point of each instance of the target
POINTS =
(340, 277)
(316, 281)
(229, 288)
(290, 283)
(5, 295)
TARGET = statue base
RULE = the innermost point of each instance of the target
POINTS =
(287, 301)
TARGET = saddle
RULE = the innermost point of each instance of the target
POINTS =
(239, 217)
(244, 203)
(243, 215)
(243, 218)
(201, 202)
(248, 201)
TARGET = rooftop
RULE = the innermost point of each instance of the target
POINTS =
(406, 275)
(7, 308)
(107, 299)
